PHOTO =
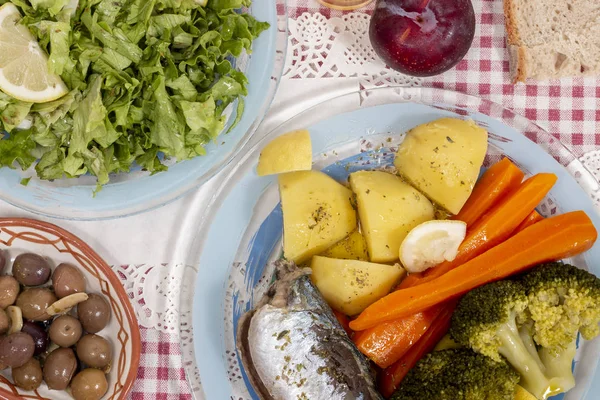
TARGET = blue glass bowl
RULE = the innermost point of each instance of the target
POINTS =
(137, 191)
(242, 230)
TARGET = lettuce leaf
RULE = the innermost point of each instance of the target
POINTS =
(17, 150)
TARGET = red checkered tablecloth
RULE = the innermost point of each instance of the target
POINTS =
(160, 375)
(569, 109)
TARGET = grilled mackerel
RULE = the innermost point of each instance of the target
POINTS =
(292, 346)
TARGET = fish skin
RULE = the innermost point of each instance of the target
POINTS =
(293, 348)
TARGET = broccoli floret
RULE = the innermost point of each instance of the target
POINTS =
(488, 318)
(563, 300)
(533, 323)
(458, 374)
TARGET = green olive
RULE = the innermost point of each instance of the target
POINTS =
(29, 375)
(89, 384)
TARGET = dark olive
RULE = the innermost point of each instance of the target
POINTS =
(16, 349)
(94, 313)
(39, 335)
(31, 270)
(89, 384)
(67, 280)
(94, 351)
(59, 368)
(4, 322)
(33, 303)
(9, 290)
(45, 324)
(65, 331)
(29, 375)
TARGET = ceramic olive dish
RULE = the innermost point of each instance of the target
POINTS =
(18, 236)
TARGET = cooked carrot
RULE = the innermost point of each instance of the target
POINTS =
(552, 239)
(386, 343)
(531, 219)
(494, 227)
(392, 376)
(411, 280)
(499, 180)
(344, 322)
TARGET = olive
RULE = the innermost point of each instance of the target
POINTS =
(59, 368)
(9, 290)
(4, 322)
(67, 280)
(33, 303)
(89, 384)
(31, 270)
(65, 331)
(94, 351)
(29, 375)
(16, 349)
(38, 333)
(45, 324)
(94, 313)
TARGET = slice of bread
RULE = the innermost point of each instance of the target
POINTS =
(552, 38)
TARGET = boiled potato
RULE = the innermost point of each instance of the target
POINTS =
(286, 153)
(350, 286)
(353, 247)
(388, 208)
(317, 213)
(442, 159)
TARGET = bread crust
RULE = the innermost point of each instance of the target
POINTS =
(521, 75)
(515, 47)
(510, 22)
(516, 56)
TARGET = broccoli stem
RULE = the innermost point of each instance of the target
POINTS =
(517, 354)
(558, 364)
(526, 334)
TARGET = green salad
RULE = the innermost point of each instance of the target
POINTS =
(145, 77)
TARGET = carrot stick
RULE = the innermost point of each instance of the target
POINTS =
(392, 376)
(388, 342)
(494, 227)
(531, 219)
(344, 322)
(500, 179)
(552, 239)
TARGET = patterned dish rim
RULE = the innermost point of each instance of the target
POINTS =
(92, 263)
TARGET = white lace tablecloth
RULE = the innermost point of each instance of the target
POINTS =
(329, 54)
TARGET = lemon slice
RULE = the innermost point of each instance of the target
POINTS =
(24, 71)
(431, 243)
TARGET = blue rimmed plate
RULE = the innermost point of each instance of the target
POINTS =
(242, 230)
